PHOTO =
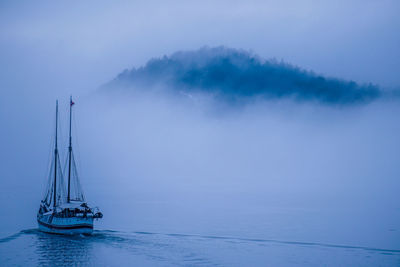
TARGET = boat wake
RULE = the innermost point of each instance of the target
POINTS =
(112, 235)
(149, 248)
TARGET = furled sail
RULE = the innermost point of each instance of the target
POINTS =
(61, 196)
(55, 192)
(74, 188)
(76, 192)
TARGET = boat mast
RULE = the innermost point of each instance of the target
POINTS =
(55, 159)
(69, 149)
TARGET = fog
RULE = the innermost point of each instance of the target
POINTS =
(298, 166)
(272, 169)
(279, 170)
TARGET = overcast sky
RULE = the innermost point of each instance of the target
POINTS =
(75, 46)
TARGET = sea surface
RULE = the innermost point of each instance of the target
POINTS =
(210, 233)
(115, 248)
(191, 191)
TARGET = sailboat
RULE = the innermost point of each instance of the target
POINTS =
(63, 210)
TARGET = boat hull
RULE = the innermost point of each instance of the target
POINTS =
(65, 226)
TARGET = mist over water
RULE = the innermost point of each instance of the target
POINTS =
(197, 168)
(186, 177)
(269, 170)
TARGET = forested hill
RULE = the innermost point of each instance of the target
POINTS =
(236, 74)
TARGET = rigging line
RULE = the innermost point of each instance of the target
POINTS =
(65, 164)
(62, 138)
(76, 152)
(50, 152)
(78, 186)
(77, 159)
(49, 184)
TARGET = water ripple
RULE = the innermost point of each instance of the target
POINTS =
(167, 249)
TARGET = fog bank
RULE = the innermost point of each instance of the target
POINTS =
(272, 169)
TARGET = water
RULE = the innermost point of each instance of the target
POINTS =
(194, 191)
(115, 248)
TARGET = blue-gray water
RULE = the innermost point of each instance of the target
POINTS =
(113, 248)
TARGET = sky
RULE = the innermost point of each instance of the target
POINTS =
(173, 162)
(85, 44)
